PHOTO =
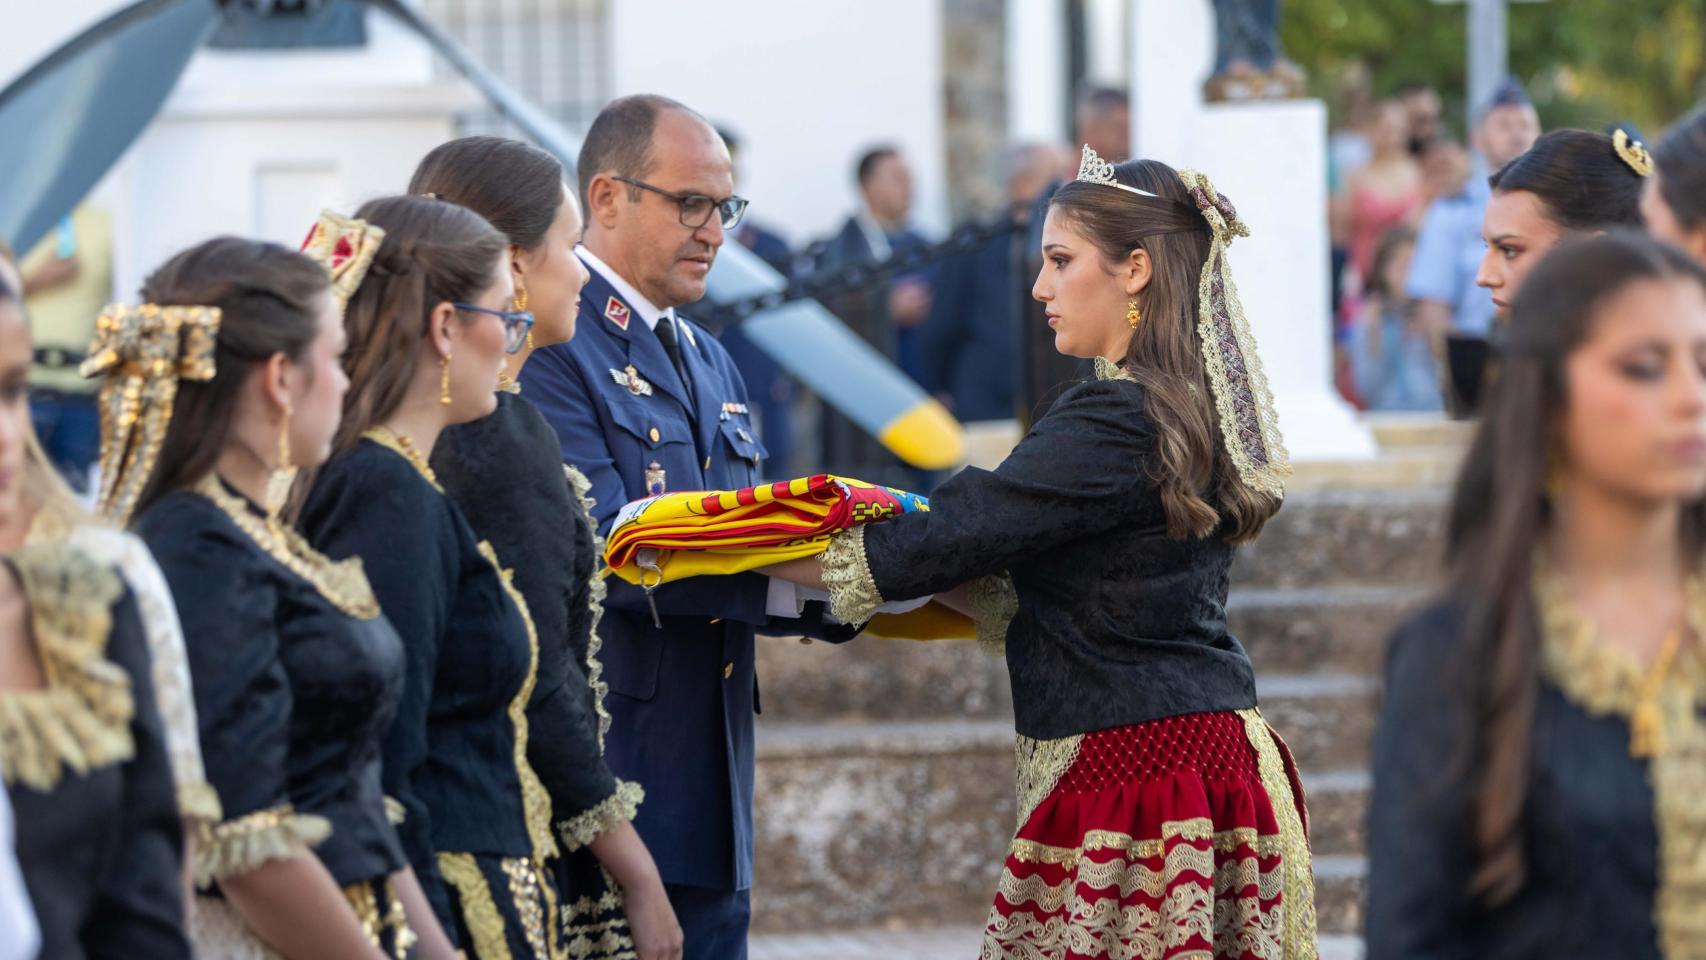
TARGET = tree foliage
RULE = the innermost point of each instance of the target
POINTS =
(1586, 62)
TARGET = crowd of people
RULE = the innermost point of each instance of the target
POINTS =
(333, 670)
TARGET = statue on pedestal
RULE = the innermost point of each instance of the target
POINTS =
(1248, 62)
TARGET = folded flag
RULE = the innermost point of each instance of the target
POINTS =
(673, 536)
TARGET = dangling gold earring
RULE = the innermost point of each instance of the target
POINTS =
(1133, 315)
(521, 304)
(283, 472)
(444, 381)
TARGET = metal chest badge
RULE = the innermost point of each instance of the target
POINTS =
(630, 378)
(656, 480)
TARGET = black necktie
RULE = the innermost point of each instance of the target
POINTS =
(672, 346)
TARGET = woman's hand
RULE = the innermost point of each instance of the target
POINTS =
(657, 934)
(806, 571)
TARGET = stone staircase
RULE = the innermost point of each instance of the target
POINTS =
(885, 768)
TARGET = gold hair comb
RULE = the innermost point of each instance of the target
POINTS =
(346, 248)
(1634, 153)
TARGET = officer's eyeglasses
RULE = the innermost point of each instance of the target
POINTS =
(696, 208)
(517, 323)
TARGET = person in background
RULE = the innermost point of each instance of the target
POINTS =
(878, 230)
(970, 348)
(1445, 170)
(68, 278)
(1384, 194)
(1540, 757)
(1448, 245)
(773, 392)
(1673, 200)
(1422, 111)
(1393, 360)
(1101, 119)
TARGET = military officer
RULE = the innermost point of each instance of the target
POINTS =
(644, 402)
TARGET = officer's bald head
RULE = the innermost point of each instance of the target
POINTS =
(620, 141)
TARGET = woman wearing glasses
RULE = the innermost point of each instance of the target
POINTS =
(507, 474)
(428, 335)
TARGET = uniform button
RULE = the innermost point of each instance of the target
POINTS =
(655, 435)
(728, 670)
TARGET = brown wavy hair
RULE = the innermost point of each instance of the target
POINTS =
(268, 298)
(434, 251)
(1499, 515)
(1200, 488)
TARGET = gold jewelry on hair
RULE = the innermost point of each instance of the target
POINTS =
(405, 448)
(343, 582)
(1634, 153)
(444, 381)
(141, 354)
(346, 248)
(1093, 169)
(283, 473)
(1133, 315)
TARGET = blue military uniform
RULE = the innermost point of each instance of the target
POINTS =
(682, 696)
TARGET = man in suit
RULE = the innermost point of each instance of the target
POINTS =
(643, 402)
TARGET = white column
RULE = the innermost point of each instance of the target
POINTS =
(1036, 71)
(1270, 159)
(1106, 39)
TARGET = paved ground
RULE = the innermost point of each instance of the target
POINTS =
(949, 944)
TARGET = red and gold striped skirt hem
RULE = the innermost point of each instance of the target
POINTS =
(1185, 837)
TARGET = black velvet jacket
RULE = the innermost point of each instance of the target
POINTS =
(452, 756)
(293, 696)
(505, 473)
(1117, 623)
(101, 849)
(1588, 833)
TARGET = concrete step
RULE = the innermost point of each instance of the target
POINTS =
(1340, 882)
(1397, 431)
(1404, 468)
(906, 825)
(934, 944)
(1361, 538)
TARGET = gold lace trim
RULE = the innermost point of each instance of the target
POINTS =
(618, 808)
(599, 939)
(342, 582)
(1299, 904)
(1041, 764)
(534, 800)
(239, 846)
(479, 910)
(1109, 370)
(597, 591)
(80, 719)
(198, 800)
(509, 384)
(395, 812)
(853, 594)
(1606, 681)
(1249, 425)
(375, 925)
(994, 603)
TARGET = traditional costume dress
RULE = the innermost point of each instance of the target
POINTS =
(1159, 816)
(505, 473)
(1613, 827)
(477, 825)
(87, 770)
(295, 674)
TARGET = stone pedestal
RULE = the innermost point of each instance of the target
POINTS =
(1269, 157)
(256, 143)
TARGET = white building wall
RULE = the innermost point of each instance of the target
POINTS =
(806, 86)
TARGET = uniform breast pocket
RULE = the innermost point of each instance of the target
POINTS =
(744, 447)
(656, 432)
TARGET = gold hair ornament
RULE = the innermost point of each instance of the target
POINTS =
(1634, 153)
(1249, 425)
(1093, 169)
(141, 353)
(346, 248)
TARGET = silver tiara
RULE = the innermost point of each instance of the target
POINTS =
(1093, 169)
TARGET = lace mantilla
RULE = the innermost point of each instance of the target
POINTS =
(239, 846)
(618, 808)
(342, 582)
(1606, 681)
(597, 590)
(853, 594)
(80, 720)
(994, 603)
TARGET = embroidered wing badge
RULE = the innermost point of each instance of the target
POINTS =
(631, 379)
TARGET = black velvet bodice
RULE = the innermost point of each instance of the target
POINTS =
(1117, 622)
(293, 695)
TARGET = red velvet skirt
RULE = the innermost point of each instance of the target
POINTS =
(1179, 838)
